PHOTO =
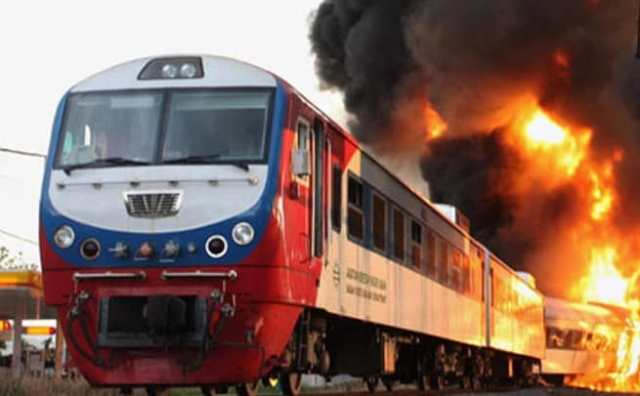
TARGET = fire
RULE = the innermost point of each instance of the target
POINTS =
(554, 155)
(434, 122)
(604, 283)
(554, 143)
(561, 59)
(541, 130)
(557, 153)
(602, 198)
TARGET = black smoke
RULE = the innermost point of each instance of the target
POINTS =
(470, 59)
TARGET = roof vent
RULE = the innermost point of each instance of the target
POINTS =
(455, 216)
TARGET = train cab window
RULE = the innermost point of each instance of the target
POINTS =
(355, 216)
(110, 125)
(430, 254)
(379, 222)
(336, 198)
(398, 234)
(416, 243)
(198, 124)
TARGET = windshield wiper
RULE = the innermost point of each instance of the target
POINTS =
(104, 161)
(193, 159)
(205, 159)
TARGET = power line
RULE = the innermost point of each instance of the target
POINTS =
(18, 237)
(21, 152)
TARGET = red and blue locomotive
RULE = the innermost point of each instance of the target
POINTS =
(203, 223)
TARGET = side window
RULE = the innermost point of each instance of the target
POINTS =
(466, 275)
(301, 165)
(455, 270)
(355, 217)
(398, 234)
(479, 274)
(430, 254)
(416, 243)
(443, 263)
(336, 198)
(303, 135)
(379, 222)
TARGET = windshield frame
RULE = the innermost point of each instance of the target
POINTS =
(163, 123)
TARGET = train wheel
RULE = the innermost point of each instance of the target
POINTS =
(372, 383)
(388, 383)
(247, 389)
(125, 391)
(207, 390)
(157, 391)
(424, 383)
(466, 382)
(422, 376)
(437, 382)
(291, 383)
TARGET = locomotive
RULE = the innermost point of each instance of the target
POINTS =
(203, 223)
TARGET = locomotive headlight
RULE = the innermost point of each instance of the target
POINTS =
(182, 67)
(64, 237)
(243, 233)
(169, 71)
(188, 70)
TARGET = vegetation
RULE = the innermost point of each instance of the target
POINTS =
(9, 261)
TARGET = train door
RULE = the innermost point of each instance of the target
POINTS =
(319, 176)
(302, 163)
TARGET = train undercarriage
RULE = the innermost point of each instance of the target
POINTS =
(328, 345)
(383, 357)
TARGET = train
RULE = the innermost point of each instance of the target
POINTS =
(582, 339)
(203, 223)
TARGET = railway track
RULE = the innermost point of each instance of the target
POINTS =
(538, 391)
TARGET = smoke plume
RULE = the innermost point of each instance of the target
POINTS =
(474, 62)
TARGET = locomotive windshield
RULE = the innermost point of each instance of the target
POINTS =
(141, 128)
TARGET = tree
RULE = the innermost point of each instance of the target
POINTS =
(14, 262)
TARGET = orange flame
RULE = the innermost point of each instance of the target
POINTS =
(435, 124)
(557, 154)
(561, 59)
(541, 130)
(604, 284)
(602, 198)
(564, 147)
(560, 153)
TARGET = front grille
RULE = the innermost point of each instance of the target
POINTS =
(152, 204)
(151, 321)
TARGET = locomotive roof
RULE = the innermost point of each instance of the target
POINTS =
(588, 314)
(219, 71)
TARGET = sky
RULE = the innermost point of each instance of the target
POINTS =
(49, 46)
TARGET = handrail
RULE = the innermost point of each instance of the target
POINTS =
(78, 276)
(168, 275)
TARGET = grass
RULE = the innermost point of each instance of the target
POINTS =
(43, 386)
(31, 386)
